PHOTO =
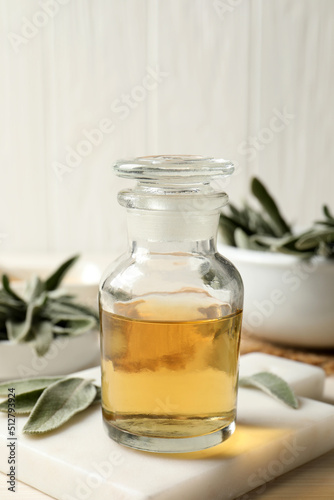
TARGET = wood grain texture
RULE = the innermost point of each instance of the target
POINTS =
(314, 480)
(297, 73)
(232, 66)
(23, 491)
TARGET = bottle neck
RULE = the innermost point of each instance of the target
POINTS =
(161, 231)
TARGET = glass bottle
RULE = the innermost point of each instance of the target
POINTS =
(171, 311)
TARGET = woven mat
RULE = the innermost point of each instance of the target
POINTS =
(322, 358)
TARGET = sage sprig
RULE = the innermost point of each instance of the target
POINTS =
(24, 403)
(44, 312)
(279, 225)
(273, 385)
(22, 386)
(50, 401)
(267, 229)
(53, 401)
(58, 403)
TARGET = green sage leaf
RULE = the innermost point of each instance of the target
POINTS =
(269, 205)
(34, 289)
(74, 325)
(24, 403)
(55, 279)
(237, 223)
(314, 238)
(240, 217)
(98, 396)
(9, 290)
(329, 222)
(286, 244)
(86, 310)
(241, 238)
(227, 229)
(43, 336)
(269, 241)
(19, 332)
(273, 385)
(59, 309)
(22, 386)
(258, 223)
(326, 250)
(327, 213)
(60, 294)
(58, 403)
(11, 309)
(3, 333)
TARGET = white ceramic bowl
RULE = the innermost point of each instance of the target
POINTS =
(287, 300)
(66, 355)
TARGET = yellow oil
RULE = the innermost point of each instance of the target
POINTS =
(169, 378)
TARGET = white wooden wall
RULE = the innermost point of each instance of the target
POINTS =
(228, 67)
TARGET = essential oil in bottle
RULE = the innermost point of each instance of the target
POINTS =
(170, 378)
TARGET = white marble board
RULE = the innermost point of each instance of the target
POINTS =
(79, 461)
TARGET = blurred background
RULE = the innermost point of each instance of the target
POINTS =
(84, 83)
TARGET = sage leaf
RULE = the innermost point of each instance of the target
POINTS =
(8, 289)
(326, 250)
(328, 213)
(18, 332)
(242, 240)
(227, 230)
(43, 336)
(60, 294)
(55, 279)
(59, 309)
(239, 217)
(314, 238)
(271, 241)
(3, 334)
(34, 288)
(258, 224)
(58, 403)
(98, 396)
(24, 403)
(286, 244)
(273, 385)
(268, 203)
(329, 222)
(80, 308)
(237, 224)
(289, 245)
(74, 325)
(22, 386)
(11, 309)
